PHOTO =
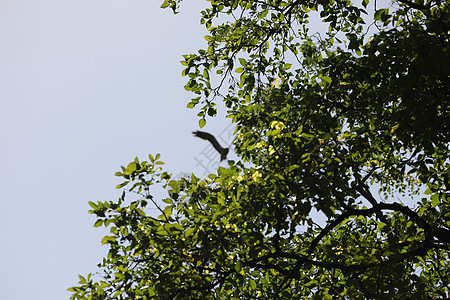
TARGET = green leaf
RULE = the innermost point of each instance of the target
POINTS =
(291, 168)
(307, 136)
(205, 73)
(121, 185)
(107, 239)
(165, 4)
(119, 276)
(189, 232)
(168, 200)
(435, 200)
(263, 14)
(202, 123)
(132, 167)
(93, 205)
(238, 266)
(168, 211)
(326, 79)
(82, 279)
(252, 284)
(98, 223)
(326, 136)
(381, 14)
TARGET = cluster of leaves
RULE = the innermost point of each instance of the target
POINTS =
(335, 128)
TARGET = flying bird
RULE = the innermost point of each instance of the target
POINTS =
(209, 137)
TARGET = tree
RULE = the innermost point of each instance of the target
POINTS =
(342, 188)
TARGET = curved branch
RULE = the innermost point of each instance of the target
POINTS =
(377, 208)
(417, 6)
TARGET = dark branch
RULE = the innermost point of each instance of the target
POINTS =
(366, 212)
(414, 5)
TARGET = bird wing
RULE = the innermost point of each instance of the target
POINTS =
(209, 137)
(232, 141)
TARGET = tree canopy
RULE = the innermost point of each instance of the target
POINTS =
(341, 189)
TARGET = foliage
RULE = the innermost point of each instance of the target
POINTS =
(342, 190)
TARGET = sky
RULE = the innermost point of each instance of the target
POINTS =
(85, 87)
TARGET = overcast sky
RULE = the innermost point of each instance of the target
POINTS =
(85, 86)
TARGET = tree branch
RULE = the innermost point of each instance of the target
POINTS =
(417, 6)
(377, 208)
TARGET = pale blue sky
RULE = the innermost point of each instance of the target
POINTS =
(85, 86)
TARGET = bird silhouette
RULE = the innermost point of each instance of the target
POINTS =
(209, 137)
